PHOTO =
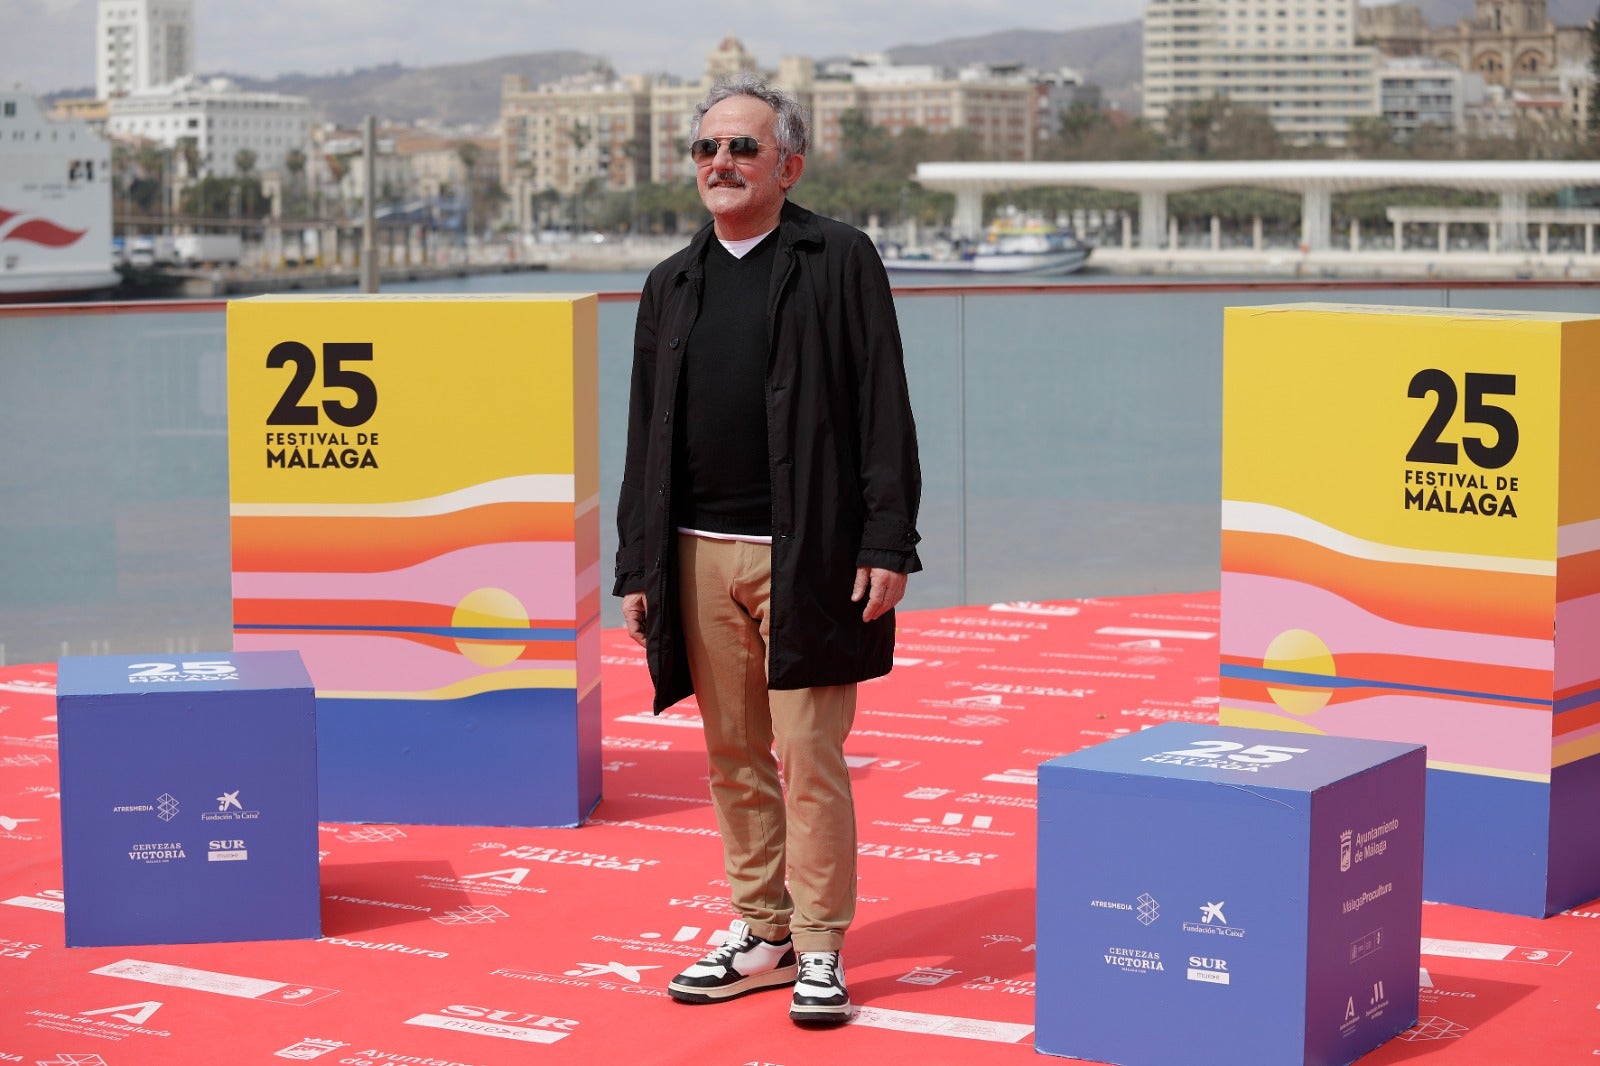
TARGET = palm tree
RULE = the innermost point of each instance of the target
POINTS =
(188, 149)
(469, 152)
(244, 165)
(155, 163)
(294, 161)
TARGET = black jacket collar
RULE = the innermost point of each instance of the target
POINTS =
(796, 225)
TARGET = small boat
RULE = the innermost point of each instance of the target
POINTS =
(1008, 247)
(1029, 248)
(946, 257)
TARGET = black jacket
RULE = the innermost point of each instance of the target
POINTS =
(841, 445)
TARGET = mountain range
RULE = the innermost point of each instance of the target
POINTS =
(468, 94)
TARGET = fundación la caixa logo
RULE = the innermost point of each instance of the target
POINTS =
(229, 809)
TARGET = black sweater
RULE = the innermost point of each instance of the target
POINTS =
(724, 483)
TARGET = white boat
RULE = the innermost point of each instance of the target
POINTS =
(943, 257)
(55, 205)
(1008, 247)
(1028, 248)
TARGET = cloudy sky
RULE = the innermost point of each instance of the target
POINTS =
(47, 45)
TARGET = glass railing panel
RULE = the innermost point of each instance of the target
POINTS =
(1069, 448)
(1092, 444)
(113, 484)
(931, 333)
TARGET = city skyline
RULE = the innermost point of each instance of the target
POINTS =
(50, 44)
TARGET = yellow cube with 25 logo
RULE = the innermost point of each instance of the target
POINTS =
(414, 508)
(1411, 552)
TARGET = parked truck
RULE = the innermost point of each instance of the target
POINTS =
(209, 249)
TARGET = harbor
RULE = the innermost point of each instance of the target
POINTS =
(1106, 264)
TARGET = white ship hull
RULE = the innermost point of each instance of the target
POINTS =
(55, 205)
(1044, 253)
(56, 285)
(1056, 263)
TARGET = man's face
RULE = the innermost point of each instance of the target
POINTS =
(744, 195)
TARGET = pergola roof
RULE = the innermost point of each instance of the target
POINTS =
(1327, 175)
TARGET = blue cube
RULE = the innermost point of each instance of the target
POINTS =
(1211, 894)
(188, 798)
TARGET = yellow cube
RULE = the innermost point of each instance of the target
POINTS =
(414, 500)
(1411, 552)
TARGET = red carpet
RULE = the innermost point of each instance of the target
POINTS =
(492, 946)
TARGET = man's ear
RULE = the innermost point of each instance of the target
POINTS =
(789, 173)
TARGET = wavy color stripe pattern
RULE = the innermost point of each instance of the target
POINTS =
(1459, 647)
(387, 600)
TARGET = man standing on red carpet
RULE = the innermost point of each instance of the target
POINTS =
(766, 525)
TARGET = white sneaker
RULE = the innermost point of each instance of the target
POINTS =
(820, 997)
(744, 963)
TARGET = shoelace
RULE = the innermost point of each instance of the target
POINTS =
(724, 955)
(817, 968)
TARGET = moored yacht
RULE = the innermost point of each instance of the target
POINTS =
(1008, 246)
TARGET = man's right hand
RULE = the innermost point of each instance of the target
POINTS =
(633, 612)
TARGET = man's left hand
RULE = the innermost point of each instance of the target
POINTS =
(882, 588)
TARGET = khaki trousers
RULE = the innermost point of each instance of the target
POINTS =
(798, 821)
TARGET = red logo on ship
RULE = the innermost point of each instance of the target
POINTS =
(40, 231)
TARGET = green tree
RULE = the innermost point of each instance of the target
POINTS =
(1220, 128)
(249, 185)
(141, 175)
(294, 161)
(469, 152)
(1092, 134)
(1592, 125)
(188, 150)
(874, 176)
(1373, 137)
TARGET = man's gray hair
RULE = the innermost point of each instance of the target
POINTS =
(793, 126)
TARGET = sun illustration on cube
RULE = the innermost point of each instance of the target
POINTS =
(490, 609)
(1300, 652)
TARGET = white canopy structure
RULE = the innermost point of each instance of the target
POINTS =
(1315, 180)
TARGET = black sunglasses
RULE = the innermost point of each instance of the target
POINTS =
(744, 146)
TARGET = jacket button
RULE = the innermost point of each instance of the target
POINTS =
(673, 343)
(666, 416)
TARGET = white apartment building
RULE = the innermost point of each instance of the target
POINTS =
(1296, 59)
(222, 119)
(615, 134)
(588, 131)
(1418, 91)
(997, 104)
(142, 44)
(340, 172)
